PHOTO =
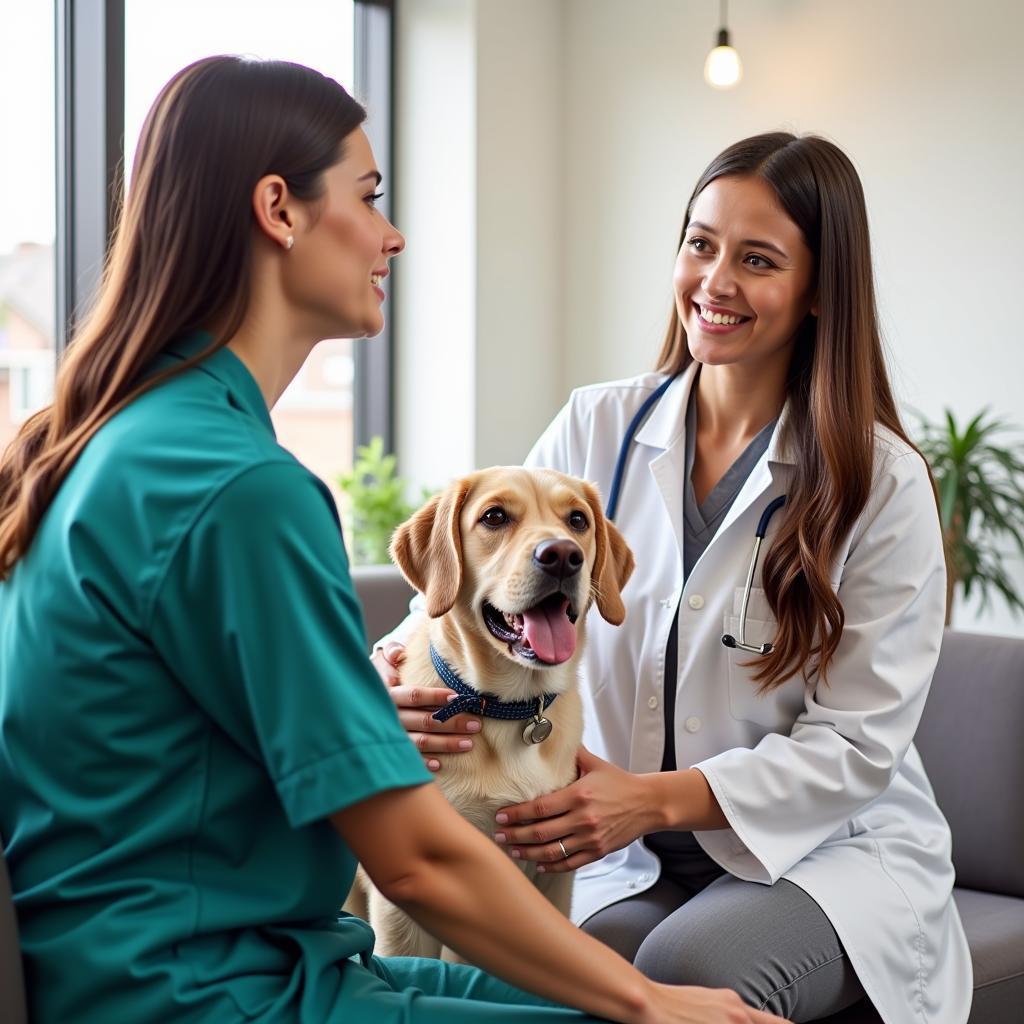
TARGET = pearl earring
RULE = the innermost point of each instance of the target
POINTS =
(290, 242)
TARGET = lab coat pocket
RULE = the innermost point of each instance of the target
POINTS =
(777, 709)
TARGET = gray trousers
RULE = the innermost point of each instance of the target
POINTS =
(771, 944)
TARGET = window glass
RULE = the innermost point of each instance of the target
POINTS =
(27, 226)
(313, 419)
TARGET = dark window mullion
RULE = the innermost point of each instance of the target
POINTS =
(372, 386)
(90, 126)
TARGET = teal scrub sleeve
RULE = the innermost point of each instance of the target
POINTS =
(257, 618)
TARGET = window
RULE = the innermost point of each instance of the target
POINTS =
(111, 60)
(27, 227)
(313, 419)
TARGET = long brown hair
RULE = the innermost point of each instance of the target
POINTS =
(837, 390)
(181, 253)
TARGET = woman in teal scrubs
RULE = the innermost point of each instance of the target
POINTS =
(194, 750)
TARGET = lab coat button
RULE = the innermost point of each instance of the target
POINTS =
(696, 602)
(693, 724)
(652, 702)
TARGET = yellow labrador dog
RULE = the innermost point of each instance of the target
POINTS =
(509, 562)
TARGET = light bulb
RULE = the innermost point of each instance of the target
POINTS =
(723, 69)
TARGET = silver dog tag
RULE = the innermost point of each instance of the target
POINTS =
(537, 731)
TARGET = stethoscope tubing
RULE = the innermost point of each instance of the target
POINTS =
(627, 441)
(762, 528)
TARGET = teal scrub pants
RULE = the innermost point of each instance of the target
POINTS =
(411, 990)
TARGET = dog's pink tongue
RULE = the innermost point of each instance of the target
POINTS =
(549, 632)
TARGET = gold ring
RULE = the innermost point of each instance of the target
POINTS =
(561, 846)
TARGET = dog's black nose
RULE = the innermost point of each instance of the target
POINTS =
(559, 558)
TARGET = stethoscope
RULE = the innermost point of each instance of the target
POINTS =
(762, 526)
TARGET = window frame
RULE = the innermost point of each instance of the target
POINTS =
(89, 124)
(90, 67)
(373, 379)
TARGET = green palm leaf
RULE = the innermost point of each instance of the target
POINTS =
(980, 484)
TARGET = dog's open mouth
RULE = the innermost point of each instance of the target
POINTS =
(546, 632)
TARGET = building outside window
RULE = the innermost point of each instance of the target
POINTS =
(28, 223)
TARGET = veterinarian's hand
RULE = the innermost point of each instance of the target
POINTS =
(602, 811)
(416, 705)
(687, 1005)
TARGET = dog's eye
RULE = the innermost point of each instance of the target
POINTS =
(494, 517)
(578, 521)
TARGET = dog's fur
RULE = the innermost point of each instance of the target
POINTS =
(461, 565)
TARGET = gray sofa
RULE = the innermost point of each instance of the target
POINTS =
(972, 741)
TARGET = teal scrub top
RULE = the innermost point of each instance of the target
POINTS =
(184, 698)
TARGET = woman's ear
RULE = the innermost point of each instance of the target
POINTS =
(428, 548)
(613, 564)
(272, 206)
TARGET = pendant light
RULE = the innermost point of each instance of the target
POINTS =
(722, 69)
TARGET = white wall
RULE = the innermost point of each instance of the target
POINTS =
(572, 263)
(435, 280)
(520, 373)
(478, 304)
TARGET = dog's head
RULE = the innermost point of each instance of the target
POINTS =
(522, 554)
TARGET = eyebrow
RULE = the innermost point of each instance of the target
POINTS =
(499, 498)
(371, 174)
(757, 243)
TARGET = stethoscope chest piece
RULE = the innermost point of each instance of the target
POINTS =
(728, 640)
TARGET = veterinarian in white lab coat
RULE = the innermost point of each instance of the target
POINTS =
(778, 835)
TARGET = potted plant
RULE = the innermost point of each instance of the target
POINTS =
(981, 503)
(376, 503)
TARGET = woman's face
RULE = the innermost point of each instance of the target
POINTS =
(336, 268)
(744, 277)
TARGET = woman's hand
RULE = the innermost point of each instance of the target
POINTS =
(687, 1005)
(605, 809)
(416, 706)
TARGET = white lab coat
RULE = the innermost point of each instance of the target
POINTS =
(820, 785)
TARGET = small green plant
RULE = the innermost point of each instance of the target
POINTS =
(376, 503)
(981, 503)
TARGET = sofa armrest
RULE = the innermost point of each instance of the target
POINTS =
(384, 595)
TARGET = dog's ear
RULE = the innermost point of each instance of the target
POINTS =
(427, 547)
(613, 565)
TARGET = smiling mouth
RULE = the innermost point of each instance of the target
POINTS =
(545, 633)
(713, 319)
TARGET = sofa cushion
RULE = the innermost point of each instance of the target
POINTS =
(995, 932)
(970, 739)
